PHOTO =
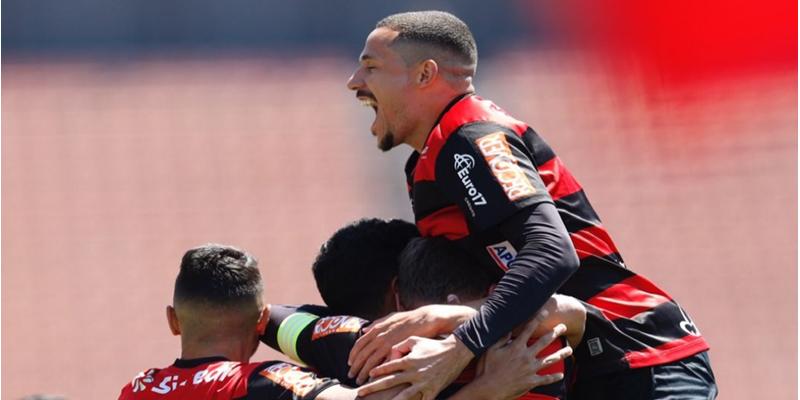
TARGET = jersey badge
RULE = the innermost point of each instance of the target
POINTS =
(291, 377)
(338, 324)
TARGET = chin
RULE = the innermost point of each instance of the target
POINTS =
(386, 142)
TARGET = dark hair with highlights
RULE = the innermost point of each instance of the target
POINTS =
(218, 275)
(432, 268)
(355, 267)
(437, 29)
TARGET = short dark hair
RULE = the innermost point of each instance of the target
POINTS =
(356, 266)
(218, 275)
(437, 29)
(432, 268)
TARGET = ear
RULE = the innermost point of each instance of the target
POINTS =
(172, 320)
(491, 289)
(263, 319)
(427, 71)
(453, 299)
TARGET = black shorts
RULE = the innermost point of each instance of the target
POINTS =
(688, 379)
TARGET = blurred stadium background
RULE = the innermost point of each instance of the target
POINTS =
(134, 130)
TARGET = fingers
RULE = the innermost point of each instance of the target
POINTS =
(559, 355)
(375, 359)
(367, 347)
(357, 350)
(383, 383)
(527, 333)
(545, 340)
(389, 367)
(409, 393)
(544, 380)
(401, 349)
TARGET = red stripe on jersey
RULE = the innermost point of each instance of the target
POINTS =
(425, 169)
(536, 396)
(592, 241)
(448, 222)
(675, 350)
(558, 179)
(467, 110)
(474, 109)
(629, 298)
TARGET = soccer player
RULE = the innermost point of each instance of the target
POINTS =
(219, 314)
(431, 271)
(488, 181)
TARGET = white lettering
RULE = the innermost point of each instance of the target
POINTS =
(463, 163)
(164, 386)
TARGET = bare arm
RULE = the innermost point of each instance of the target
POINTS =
(340, 392)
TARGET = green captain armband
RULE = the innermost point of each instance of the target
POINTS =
(289, 331)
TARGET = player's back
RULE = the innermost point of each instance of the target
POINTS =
(218, 378)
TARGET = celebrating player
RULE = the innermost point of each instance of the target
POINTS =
(219, 314)
(489, 182)
(431, 271)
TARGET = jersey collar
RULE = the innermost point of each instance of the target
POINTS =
(194, 362)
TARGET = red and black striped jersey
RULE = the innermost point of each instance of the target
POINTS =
(308, 335)
(218, 378)
(480, 166)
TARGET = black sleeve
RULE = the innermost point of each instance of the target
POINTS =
(544, 262)
(322, 343)
(280, 312)
(276, 380)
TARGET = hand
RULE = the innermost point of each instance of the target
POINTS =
(560, 309)
(427, 365)
(509, 369)
(375, 345)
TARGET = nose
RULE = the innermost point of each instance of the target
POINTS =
(356, 81)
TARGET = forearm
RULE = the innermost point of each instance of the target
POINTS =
(445, 318)
(546, 260)
(340, 392)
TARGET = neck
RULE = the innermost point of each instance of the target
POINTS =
(235, 350)
(435, 109)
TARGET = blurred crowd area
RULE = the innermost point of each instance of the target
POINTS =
(122, 150)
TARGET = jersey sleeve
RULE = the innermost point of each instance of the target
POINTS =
(487, 171)
(284, 381)
(322, 343)
(546, 259)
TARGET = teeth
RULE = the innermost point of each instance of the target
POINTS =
(368, 102)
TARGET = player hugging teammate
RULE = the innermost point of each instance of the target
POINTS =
(508, 239)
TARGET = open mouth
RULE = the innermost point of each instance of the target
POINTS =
(367, 100)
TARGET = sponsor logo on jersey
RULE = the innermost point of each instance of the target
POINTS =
(463, 163)
(339, 324)
(219, 372)
(292, 378)
(170, 383)
(502, 253)
(688, 325)
(140, 382)
(504, 167)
